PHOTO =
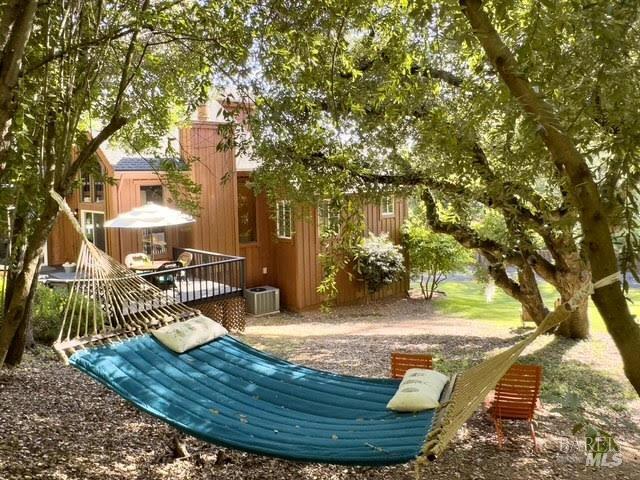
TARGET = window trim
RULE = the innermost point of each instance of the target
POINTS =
(388, 213)
(284, 204)
(92, 187)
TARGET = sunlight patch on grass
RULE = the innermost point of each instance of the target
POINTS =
(467, 300)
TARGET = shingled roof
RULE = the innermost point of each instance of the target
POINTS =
(137, 164)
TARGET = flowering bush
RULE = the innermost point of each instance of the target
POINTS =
(378, 261)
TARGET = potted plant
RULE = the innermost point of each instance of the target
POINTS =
(69, 267)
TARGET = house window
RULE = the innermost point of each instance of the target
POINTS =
(86, 188)
(283, 219)
(98, 190)
(246, 212)
(151, 194)
(92, 187)
(328, 218)
(154, 240)
(387, 206)
(93, 227)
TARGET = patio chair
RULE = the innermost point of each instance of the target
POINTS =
(185, 258)
(401, 362)
(167, 280)
(516, 398)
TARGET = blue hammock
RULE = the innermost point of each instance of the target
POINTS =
(232, 395)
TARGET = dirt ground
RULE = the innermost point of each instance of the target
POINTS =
(56, 423)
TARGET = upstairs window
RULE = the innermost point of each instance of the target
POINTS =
(283, 220)
(86, 195)
(247, 223)
(152, 194)
(92, 187)
(387, 206)
(328, 218)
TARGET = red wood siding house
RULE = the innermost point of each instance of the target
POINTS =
(232, 220)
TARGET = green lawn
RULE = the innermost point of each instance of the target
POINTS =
(467, 299)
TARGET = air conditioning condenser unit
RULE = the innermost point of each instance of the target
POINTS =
(262, 300)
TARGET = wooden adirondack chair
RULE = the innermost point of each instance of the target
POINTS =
(515, 398)
(401, 362)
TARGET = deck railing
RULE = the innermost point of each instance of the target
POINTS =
(209, 276)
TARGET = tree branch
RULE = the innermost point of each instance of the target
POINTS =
(88, 151)
(465, 235)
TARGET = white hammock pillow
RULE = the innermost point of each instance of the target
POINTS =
(183, 336)
(419, 390)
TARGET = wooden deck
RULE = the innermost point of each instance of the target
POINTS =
(210, 277)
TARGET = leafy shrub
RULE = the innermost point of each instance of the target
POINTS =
(48, 311)
(378, 261)
(432, 256)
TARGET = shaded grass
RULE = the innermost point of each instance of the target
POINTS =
(467, 300)
(577, 385)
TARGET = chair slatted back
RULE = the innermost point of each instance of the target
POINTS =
(516, 394)
(401, 362)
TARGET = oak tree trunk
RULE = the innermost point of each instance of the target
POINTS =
(577, 325)
(609, 300)
(17, 307)
(23, 281)
(23, 337)
(530, 297)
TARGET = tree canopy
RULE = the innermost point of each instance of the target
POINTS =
(432, 256)
(525, 109)
(515, 108)
(94, 71)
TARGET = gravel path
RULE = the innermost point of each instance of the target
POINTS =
(56, 423)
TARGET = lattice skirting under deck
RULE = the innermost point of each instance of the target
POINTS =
(230, 312)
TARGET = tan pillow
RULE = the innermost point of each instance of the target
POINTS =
(183, 336)
(419, 390)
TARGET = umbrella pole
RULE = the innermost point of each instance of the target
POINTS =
(152, 245)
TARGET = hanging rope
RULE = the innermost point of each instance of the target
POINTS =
(108, 302)
(472, 386)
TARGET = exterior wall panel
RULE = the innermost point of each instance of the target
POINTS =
(217, 227)
(260, 255)
(309, 270)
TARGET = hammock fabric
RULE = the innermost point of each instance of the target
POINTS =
(230, 394)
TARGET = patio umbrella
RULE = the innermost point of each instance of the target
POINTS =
(149, 216)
